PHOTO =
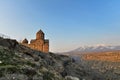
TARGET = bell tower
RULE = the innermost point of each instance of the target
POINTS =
(40, 35)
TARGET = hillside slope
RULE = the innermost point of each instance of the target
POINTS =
(18, 62)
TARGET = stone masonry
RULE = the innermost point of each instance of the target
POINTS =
(39, 43)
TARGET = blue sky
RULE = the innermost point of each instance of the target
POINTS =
(68, 24)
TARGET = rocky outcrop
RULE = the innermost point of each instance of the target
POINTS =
(11, 44)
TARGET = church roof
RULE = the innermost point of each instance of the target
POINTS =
(40, 31)
(25, 41)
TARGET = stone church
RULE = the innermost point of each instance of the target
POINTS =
(40, 43)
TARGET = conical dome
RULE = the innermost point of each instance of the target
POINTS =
(25, 41)
(40, 34)
(40, 31)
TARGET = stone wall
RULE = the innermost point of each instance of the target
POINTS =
(46, 46)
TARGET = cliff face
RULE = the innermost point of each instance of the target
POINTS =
(18, 62)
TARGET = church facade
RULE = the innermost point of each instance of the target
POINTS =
(40, 43)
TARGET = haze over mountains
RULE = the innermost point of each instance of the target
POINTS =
(91, 49)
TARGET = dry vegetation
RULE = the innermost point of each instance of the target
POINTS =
(113, 56)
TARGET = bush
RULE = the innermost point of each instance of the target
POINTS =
(48, 76)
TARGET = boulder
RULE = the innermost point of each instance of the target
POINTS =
(71, 78)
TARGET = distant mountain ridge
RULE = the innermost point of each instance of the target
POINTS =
(89, 49)
(97, 48)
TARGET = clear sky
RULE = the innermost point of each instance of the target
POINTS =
(68, 24)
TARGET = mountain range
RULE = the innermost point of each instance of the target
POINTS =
(91, 49)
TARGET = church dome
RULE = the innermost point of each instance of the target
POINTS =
(25, 41)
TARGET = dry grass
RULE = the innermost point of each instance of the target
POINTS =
(113, 56)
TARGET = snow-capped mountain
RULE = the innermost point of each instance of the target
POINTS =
(97, 48)
(100, 48)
